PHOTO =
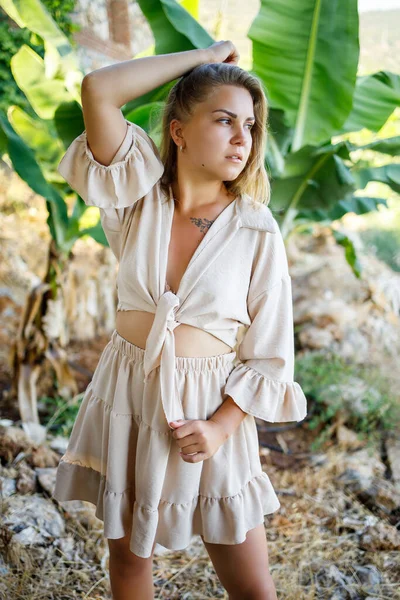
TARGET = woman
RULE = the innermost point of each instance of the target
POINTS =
(165, 442)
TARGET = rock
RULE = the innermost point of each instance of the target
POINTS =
(380, 537)
(323, 313)
(347, 439)
(377, 494)
(8, 486)
(351, 393)
(354, 346)
(381, 495)
(357, 318)
(13, 441)
(43, 457)
(370, 577)
(313, 338)
(26, 479)
(47, 478)
(83, 512)
(32, 520)
(327, 577)
(366, 463)
(59, 444)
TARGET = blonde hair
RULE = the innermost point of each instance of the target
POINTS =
(194, 87)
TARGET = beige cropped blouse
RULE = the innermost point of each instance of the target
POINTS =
(236, 287)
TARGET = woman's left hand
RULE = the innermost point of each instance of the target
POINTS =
(198, 439)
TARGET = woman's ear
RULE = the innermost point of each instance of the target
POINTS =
(175, 129)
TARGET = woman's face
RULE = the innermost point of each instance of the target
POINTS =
(213, 134)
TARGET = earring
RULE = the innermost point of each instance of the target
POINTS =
(180, 148)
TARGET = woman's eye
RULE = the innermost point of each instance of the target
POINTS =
(229, 120)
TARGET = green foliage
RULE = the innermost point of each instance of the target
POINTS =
(13, 37)
(350, 252)
(320, 372)
(59, 414)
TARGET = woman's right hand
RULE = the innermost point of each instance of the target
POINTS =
(224, 52)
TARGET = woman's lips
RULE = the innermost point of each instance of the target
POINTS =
(237, 160)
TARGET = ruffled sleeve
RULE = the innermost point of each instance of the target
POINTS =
(114, 188)
(261, 384)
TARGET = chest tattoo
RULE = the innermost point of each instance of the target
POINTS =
(203, 224)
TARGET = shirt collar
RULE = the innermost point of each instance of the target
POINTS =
(254, 217)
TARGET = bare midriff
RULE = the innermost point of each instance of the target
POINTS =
(135, 325)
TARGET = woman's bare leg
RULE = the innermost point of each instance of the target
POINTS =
(243, 569)
(131, 576)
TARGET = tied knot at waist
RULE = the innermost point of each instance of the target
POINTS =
(161, 338)
(160, 350)
(172, 324)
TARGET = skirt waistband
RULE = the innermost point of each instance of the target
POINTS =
(182, 363)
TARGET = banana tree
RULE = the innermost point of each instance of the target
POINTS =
(306, 55)
(34, 147)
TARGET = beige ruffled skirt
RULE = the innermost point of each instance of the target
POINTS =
(122, 457)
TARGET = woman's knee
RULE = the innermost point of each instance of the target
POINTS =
(124, 560)
(263, 590)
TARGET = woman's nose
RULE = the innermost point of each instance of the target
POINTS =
(240, 134)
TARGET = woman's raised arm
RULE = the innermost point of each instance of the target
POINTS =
(105, 90)
(129, 79)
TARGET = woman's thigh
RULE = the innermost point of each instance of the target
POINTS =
(243, 567)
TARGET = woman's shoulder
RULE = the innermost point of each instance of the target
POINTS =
(134, 170)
